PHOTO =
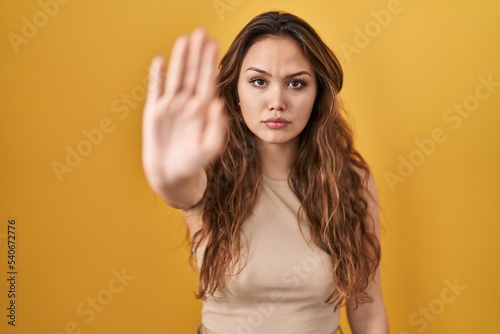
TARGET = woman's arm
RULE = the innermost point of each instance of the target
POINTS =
(370, 318)
(183, 123)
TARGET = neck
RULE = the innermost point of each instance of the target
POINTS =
(277, 159)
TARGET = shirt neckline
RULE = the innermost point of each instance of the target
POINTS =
(275, 182)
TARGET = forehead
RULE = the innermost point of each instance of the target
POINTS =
(279, 56)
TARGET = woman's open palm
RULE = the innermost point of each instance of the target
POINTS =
(183, 124)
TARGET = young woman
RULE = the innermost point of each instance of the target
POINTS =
(281, 209)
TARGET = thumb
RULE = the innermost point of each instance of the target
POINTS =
(215, 128)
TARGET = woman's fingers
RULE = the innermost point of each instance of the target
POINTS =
(205, 86)
(176, 66)
(156, 86)
(156, 83)
(197, 43)
(186, 97)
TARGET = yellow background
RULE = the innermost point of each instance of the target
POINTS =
(73, 232)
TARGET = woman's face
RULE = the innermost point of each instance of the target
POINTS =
(276, 89)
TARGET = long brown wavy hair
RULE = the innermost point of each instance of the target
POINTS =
(325, 177)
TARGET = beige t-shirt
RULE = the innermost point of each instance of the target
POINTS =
(286, 280)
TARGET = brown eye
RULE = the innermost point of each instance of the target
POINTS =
(297, 84)
(259, 82)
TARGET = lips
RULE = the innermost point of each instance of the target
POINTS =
(276, 122)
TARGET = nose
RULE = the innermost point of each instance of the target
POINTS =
(276, 99)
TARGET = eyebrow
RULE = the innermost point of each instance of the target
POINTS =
(270, 75)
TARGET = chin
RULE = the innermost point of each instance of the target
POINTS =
(276, 140)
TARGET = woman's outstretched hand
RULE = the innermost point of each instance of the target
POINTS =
(183, 123)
